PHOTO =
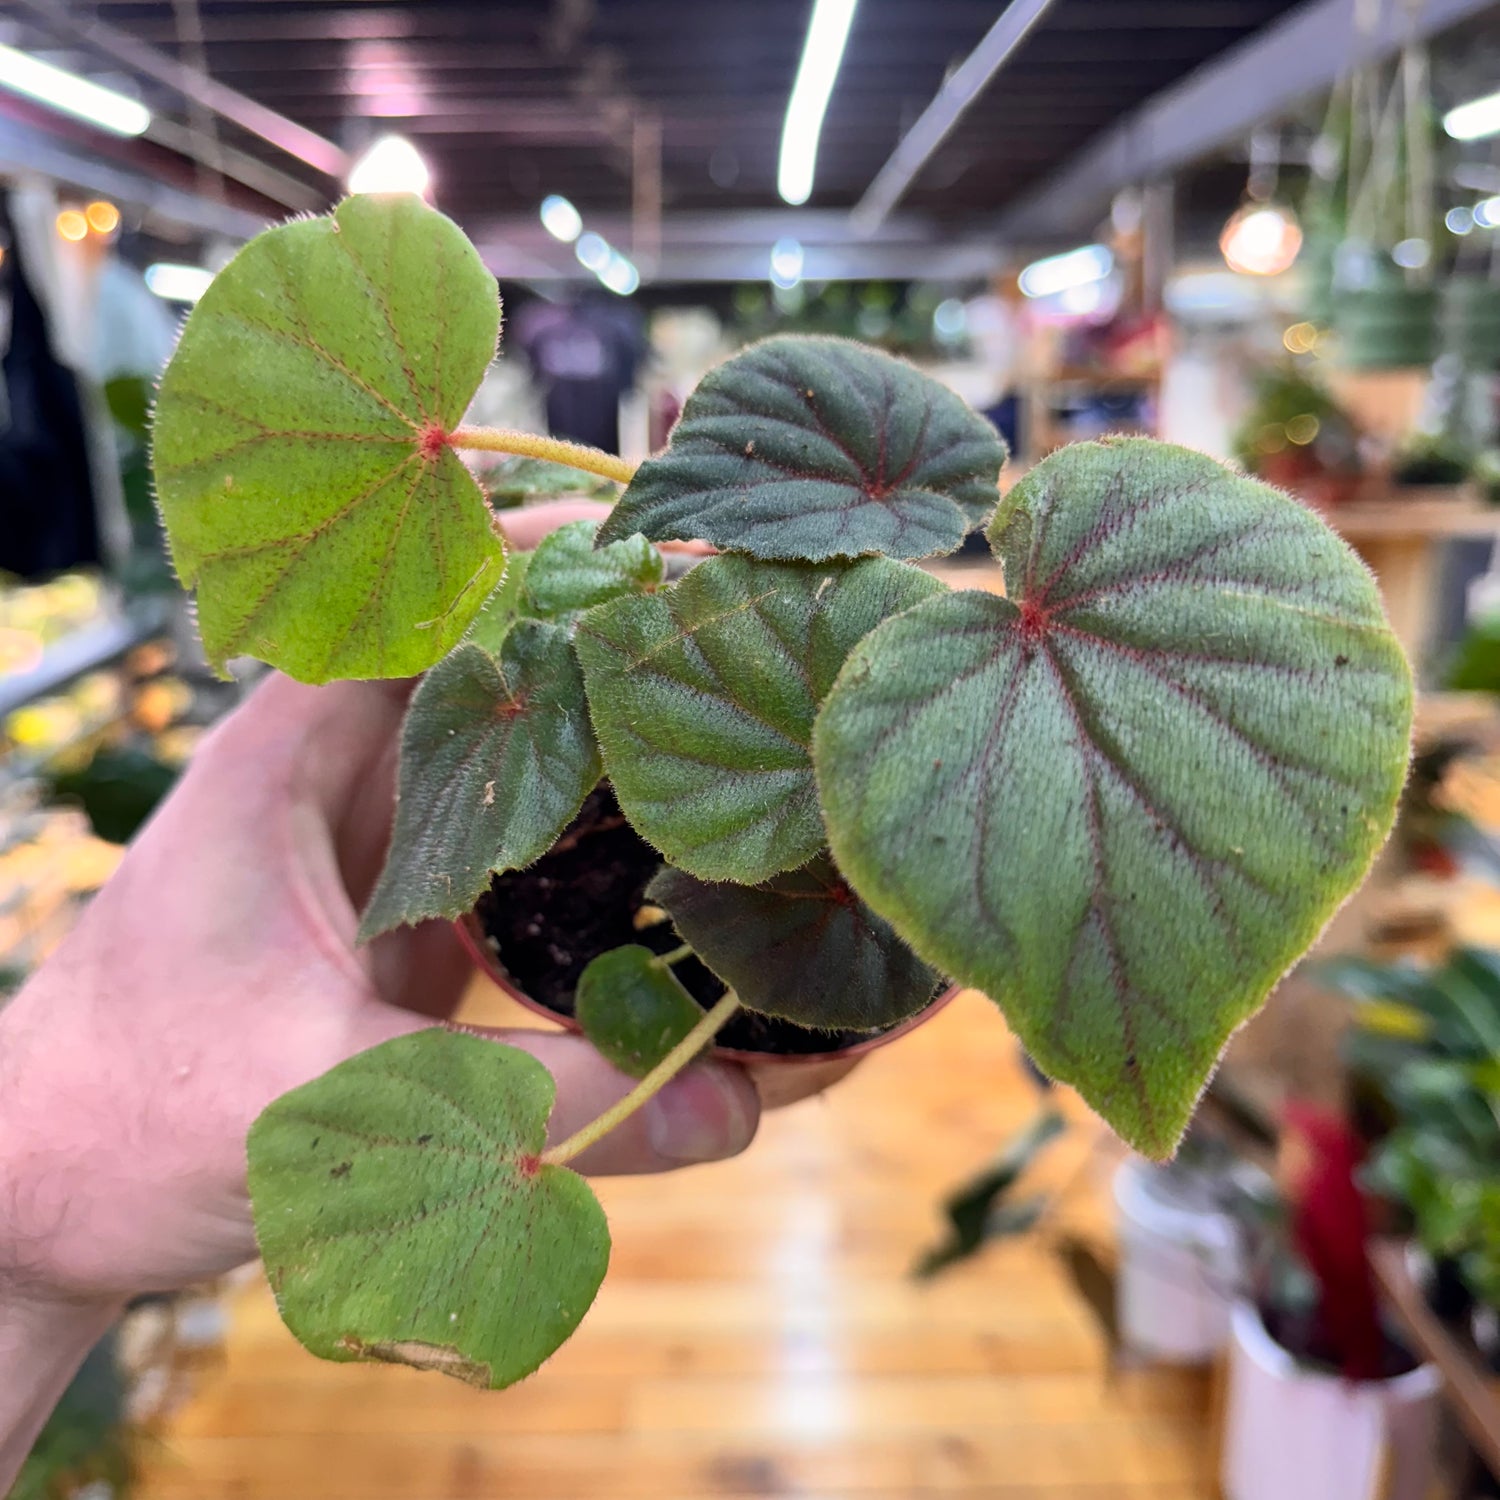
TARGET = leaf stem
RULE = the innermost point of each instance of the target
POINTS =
(651, 1085)
(531, 445)
(676, 956)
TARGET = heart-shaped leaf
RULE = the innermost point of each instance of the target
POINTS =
(704, 694)
(817, 448)
(404, 1215)
(801, 946)
(568, 575)
(632, 1009)
(497, 755)
(1124, 800)
(306, 487)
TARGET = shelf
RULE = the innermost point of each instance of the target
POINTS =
(1474, 1396)
(1413, 519)
(81, 652)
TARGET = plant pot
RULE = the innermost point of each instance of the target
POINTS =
(1293, 1433)
(1300, 474)
(587, 892)
(1387, 327)
(1469, 318)
(1180, 1262)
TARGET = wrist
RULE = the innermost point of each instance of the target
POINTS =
(43, 1340)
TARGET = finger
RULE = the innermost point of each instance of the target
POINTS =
(425, 968)
(524, 528)
(708, 1112)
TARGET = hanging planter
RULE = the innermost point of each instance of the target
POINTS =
(1388, 326)
(1470, 321)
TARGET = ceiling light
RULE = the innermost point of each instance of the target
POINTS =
(72, 225)
(1260, 239)
(593, 252)
(1459, 220)
(72, 94)
(104, 218)
(786, 263)
(619, 275)
(1044, 278)
(950, 319)
(391, 165)
(175, 283)
(560, 219)
(1487, 214)
(1411, 254)
(822, 53)
(1474, 120)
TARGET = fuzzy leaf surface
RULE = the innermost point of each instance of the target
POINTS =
(801, 946)
(497, 755)
(815, 448)
(299, 499)
(506, 604)
(632, 1008)
(703, 696)
(568, 574)
(403, 1215)
(1123, 800)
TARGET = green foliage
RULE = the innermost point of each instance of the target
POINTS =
(568, 575)
(496, 758)
(632, 1009)
(816, 448)
(404, 1214)
(1121, 800)
(513, 481)
(801, 946)
(1428, 1042)
(982, 1210)
(703, 696)
(323, 531)
(117, 788)
(1124, 799)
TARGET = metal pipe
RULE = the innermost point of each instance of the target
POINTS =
(962, 88)
(286, 135)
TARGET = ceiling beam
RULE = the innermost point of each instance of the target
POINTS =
(961, 88)
(1304, 53)
(120, 46)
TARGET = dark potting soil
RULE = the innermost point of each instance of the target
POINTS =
(1299, 1333)
(549, 922)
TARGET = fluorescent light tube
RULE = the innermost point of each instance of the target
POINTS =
(71, 94)
(173, 283)
(822, 53)
(1474, 120)
(1044, 278)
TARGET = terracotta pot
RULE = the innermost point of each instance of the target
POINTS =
(780, 1078)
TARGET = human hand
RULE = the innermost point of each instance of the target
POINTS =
(218, 969)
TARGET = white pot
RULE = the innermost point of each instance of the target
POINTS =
(1179, 1266)
(1291, 1433)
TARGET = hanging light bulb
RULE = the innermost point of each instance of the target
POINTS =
(1261, 239)
(391, 165)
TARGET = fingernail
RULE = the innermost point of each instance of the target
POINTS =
(701, 1116)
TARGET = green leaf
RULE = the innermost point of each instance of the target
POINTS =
(632, 1008)
(506, 604)
(977, 1213)
(512, 481)
(404, 1215)
(568, 575)
(816, 448)
(306, 490)
(1124, 800)
(801, 946)
(703, 696)
(496, 758)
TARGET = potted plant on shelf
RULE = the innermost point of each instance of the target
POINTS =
(1297, 436)
(1321, 1403)
(1120, 801)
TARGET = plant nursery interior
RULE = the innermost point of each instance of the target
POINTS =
(921, 693)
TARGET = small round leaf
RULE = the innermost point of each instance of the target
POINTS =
(1125, 799)
(817, 448)
(703, 696)
(568, 575)
(404, 1215)
(632, 1008)
(306, 490)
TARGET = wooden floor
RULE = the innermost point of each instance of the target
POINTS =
(757, 1336)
